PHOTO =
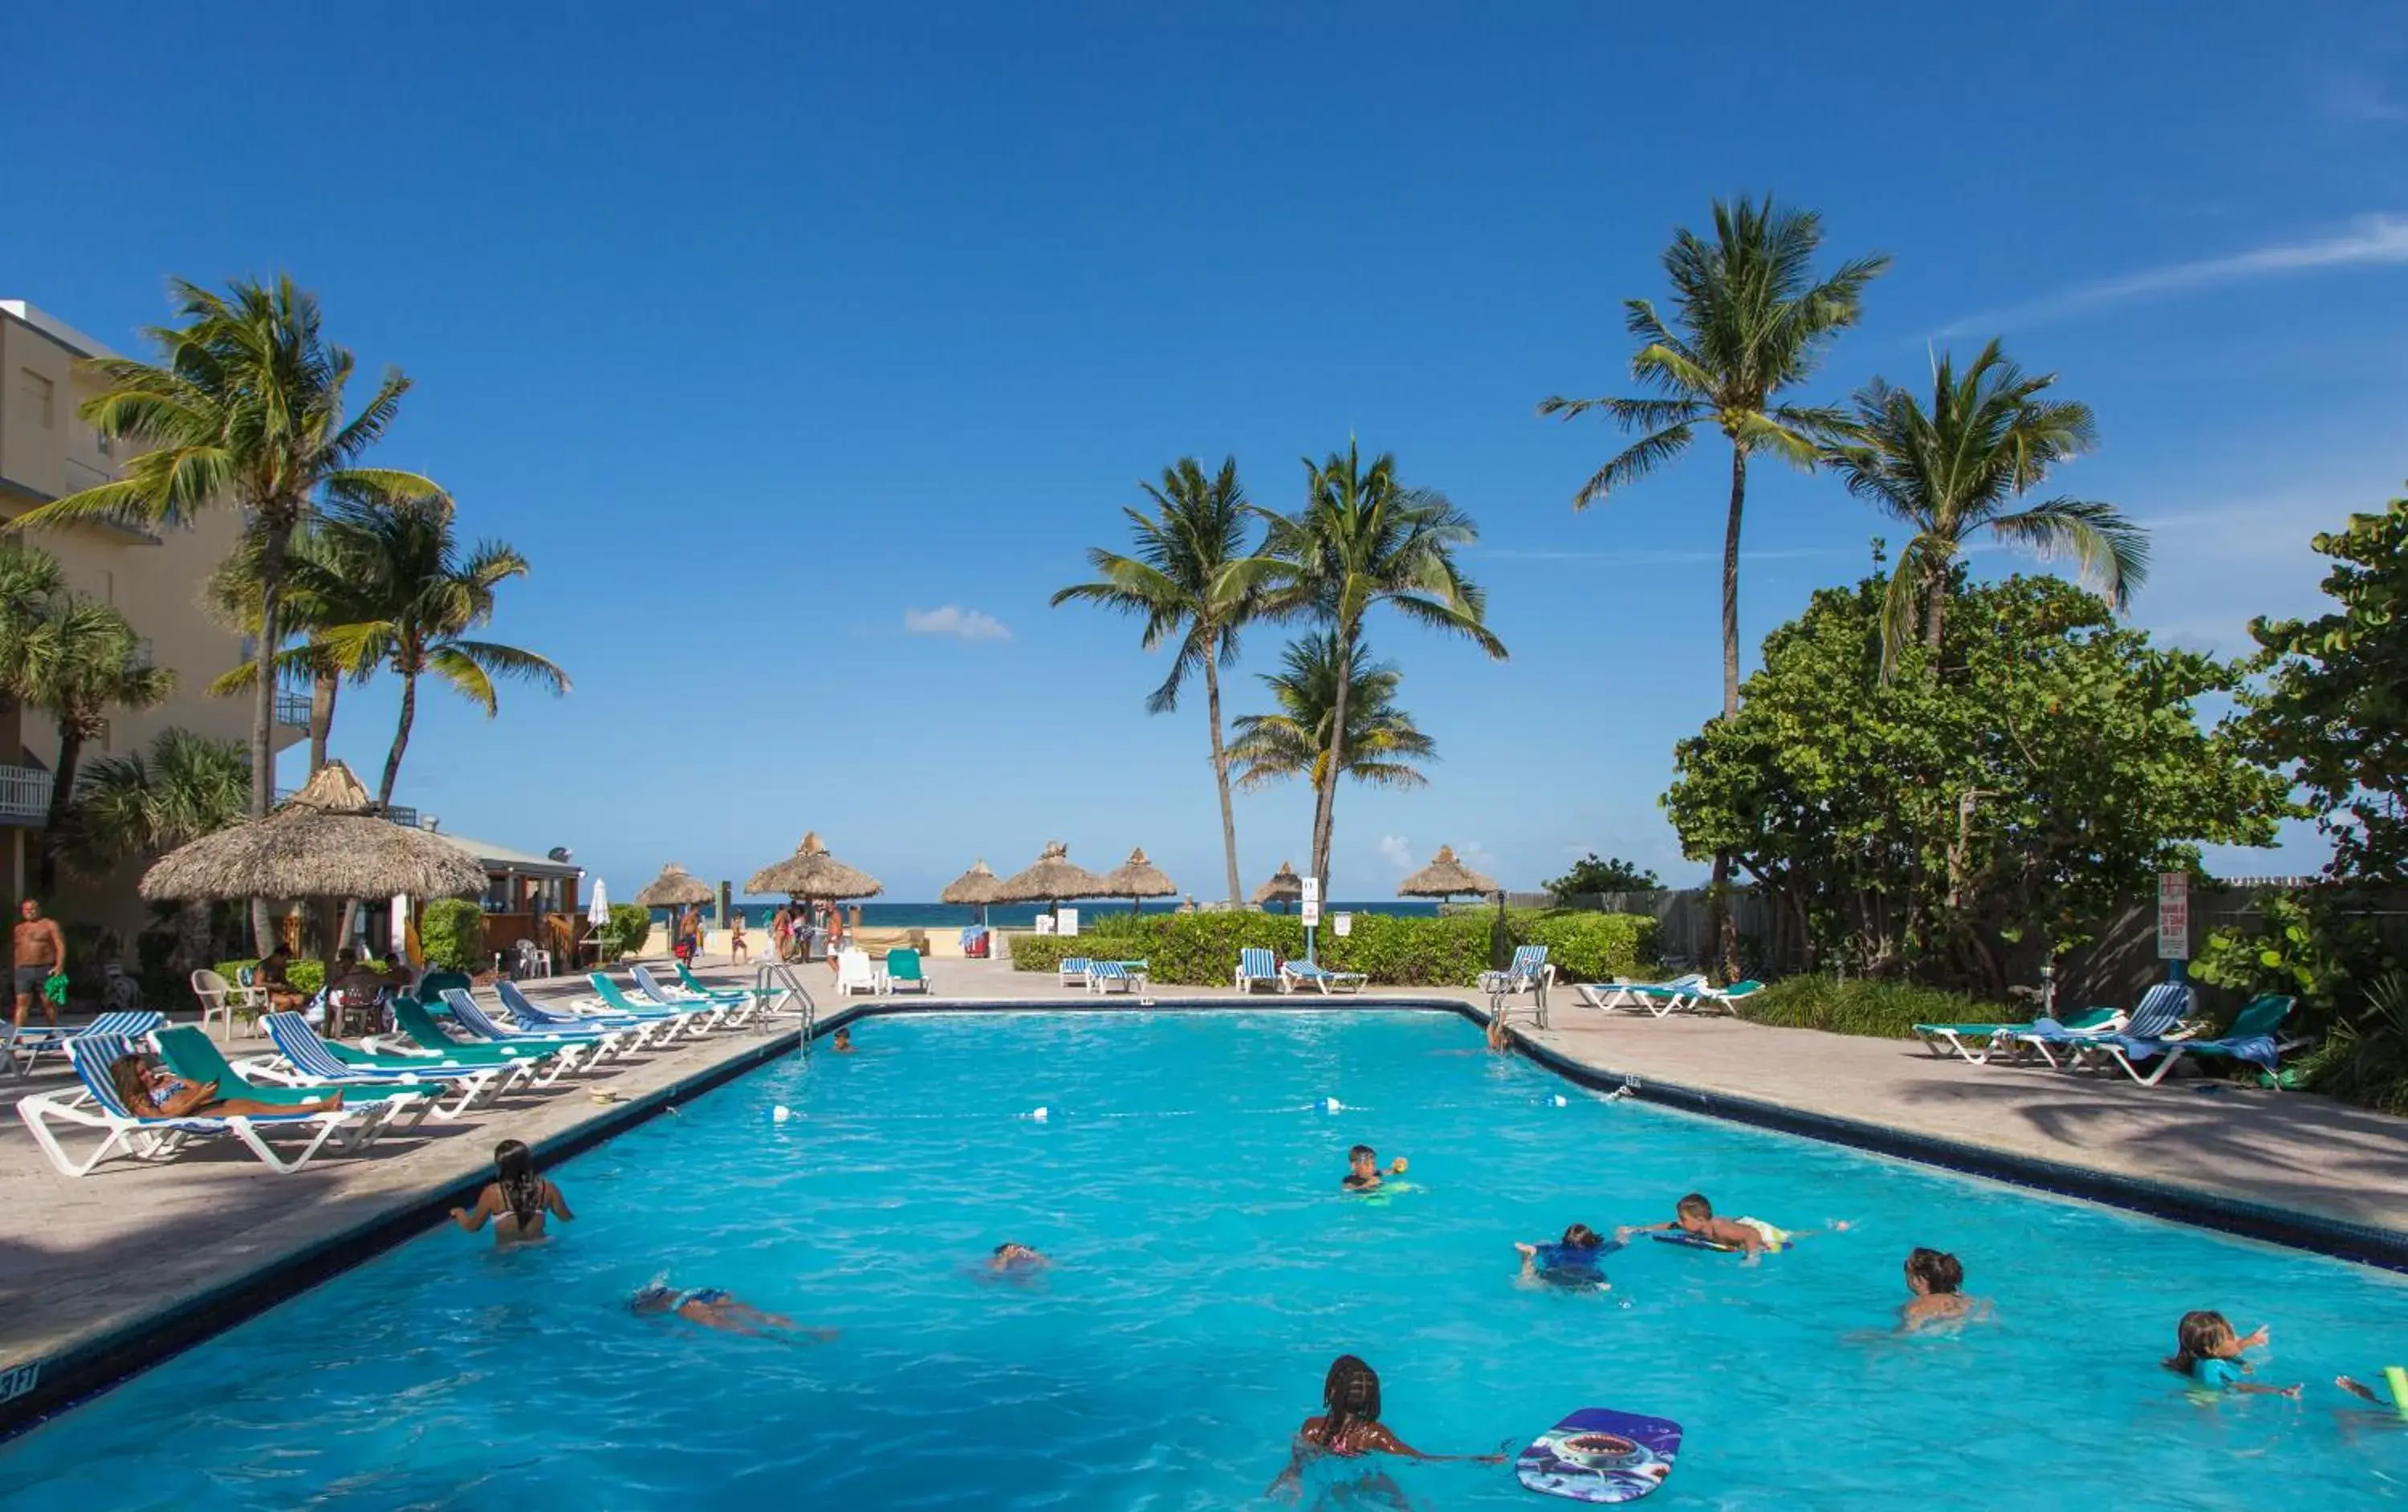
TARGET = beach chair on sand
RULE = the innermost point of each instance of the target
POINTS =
(28, 1046)
(1980, 1043)
(2256, 1036)
(606, 1042)
(1131, 975)
(854, 973)
(303, 1058)
(1074, 971)
(190, 1053)
(903, 970)
(96, 1106)
(2158, 1018)
(1660, 999)
(1256, 964)
(1313, 974)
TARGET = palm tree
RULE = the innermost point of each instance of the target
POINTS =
(80, 660)
(30, 579)
(1748, 322)
(403, 562)
(147, 804)
(244, 411)
(318, 596)
(1189, 574)
(1962, 466)
(1364, 539)
(1382, 741)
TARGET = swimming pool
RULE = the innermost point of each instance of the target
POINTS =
(1208, 1271)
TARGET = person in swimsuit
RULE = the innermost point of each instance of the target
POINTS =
(1363, 1169)
(273, 976)
(715, 1309)
(1695, 1217)
(1937, 1281)
(841, 1041)
(39, 952)
(1348, 1425)
(1015, 1258)
(516, 1201)
(2207, 1353)
(739, 952)
(1570, 1262)
(151, 1092)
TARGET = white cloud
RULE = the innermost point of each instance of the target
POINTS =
(953, 619)
(1477, 856)
(1394, 850)
(2371, 239)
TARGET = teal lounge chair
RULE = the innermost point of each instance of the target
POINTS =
(1980, 1043)
(903, 969)
(190, 1053)
(422, 1035)
(2256, 1036)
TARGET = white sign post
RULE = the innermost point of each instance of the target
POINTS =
(1341, 925)
(1069, 923)
(2173, 920)
(1311, 912)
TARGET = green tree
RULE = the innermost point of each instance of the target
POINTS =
(80, 660)
(1962, 466)
(1925, 827)
(244, 410)
(1593, 874)
(1362, 540)
(319, 595)
(1189, 576)
(424, 596)
(2333, 709)
(1382, 741)
(146, 803)
(30, 579)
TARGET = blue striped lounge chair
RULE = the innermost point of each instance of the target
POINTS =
(1525, 973)
(1076, 971)
(731, 1009)
(416, 1035)
(1313, 974)
(95, 1105)
(2158, 1018)
(696, 1019)
(302, 1056)
(1129, 974)
(2256, 1036)
(1257, 965)
(1661, 999)
(471, 1014)
(28, 1046)
(531, 1017)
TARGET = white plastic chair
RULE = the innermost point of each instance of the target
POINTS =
(221, 999)
(854, 973)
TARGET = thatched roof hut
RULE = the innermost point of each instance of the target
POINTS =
(327, 842)
(810, 872)
(974, 888)
(1443, 877)
(1052, 878)
(1284, 886)
(1137, 877)
(675, 887)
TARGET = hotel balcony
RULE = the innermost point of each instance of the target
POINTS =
(293, 711)
(25, 795)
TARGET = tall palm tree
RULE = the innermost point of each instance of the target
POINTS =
(1962, 466)
(1749, 320)
(1189, 574)
(244, 411)
(30, 579)
(318, 596)
(147, 804)
(425, 597)
(81, 660)
(1382, 741)
(1364, 539)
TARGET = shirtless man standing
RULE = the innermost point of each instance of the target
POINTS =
(40, 950)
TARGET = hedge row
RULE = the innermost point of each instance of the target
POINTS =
(1862, 1006)
(1201, 949)
(305, 974)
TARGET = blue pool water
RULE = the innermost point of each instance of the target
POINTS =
(1208, 1271)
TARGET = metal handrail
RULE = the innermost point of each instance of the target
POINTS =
(774, 983)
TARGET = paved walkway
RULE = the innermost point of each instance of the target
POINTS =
(84, 1259)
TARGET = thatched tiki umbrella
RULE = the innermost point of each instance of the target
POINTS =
(1052, 878)
(813, 876)
(1443, 877)
(676, 887)
(1284, 886)
(1137, 877)
(327, 845)
(974, 888)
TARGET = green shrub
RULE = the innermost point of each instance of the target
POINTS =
(452, 932)
(1864, 1007)
(306, 974)
(631, 924)
(1201, 949)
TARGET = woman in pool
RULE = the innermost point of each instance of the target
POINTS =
(1348, 1425)
(1937, 1280)
(516, 1200)
(154, 1093)
(714, 1309)
(2207, 1351)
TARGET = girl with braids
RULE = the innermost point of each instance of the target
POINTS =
(1348, 1425)
(516, 1201)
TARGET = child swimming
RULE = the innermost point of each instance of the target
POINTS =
(1937, 1280)
(1363, 1168)
(841, 1041)
(1569, 1261)
(1695, 1216)
(1010, 1258)
(516, 1200)
(1348, 1425)
(2208, 1352)
(714, 1309)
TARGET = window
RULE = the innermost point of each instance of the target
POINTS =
(103, 446)
(34, 397)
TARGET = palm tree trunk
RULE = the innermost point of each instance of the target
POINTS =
(262, 705)
(192, 938)
(1722, 932)
(1336, 763)
(400, 740)
(62, 794)
(323, 686)
(1934, 612)
(1221, 767)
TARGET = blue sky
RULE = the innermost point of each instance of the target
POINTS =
(804, 350)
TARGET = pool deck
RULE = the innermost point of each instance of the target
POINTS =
(136, 1258)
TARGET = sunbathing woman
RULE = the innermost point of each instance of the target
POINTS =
(516, 1200)
(1348, 1425)
(151, 1092)
(714, 1309)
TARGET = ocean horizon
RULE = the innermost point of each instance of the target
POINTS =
(875, 915)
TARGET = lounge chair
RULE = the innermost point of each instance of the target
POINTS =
(1979, 1043)
(1256, 964)
(904, 969)
(471, 1016)
(431, 986)
(727, 1009)
(1074, 971)
(221, 999)
(694, 985)
(1525, 972)
(1313, 974)
(96, 1106)
(545, 1019)
(854, 973)
(1726, 998)
(417, 1034)
(1129, 974)
(1660, 999)
(304, 1058)
(187, 1051)
(697, 1018)
(2253, 1038)
(2162, 1009)
(28, 1045)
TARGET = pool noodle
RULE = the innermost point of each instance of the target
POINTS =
(2397, 1378)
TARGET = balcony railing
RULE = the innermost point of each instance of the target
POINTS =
(293, 711)
(399, 813)
(25, 795)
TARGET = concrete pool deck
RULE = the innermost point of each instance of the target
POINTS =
(136, 1259)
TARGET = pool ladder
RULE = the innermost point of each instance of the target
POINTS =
(778, 989)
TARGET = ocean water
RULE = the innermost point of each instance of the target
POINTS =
(876, 915)
(1206, 1268)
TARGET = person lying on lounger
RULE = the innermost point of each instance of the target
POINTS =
(516, 1200)
(152, 1093)
(714, 1309)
